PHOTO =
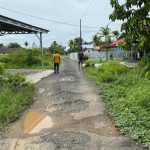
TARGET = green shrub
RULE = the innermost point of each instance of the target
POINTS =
(15, 96)
(114, 68)
(31, 60)
(1, 68)
(127, 96)
(26, 59)
(12, 104)
(5, 59)
(144, 66)
(109, 72)
(147, 75)
(87, 64)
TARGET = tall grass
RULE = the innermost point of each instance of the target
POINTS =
(27, 59)
(15, 96)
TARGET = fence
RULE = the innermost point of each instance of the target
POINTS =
(116, 55)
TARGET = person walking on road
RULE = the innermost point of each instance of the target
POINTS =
(80, 60)
(56, 61)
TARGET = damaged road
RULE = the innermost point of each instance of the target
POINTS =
(68, 114)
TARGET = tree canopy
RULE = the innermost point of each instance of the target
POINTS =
(135, 15)
(97, 40)
(55, 46)
(75, 44)
(14, 45)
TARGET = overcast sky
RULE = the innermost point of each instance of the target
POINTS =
(94, 13)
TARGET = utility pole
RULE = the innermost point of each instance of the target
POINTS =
(80, 36)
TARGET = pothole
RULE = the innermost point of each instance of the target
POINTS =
(67, 79)
(66, 139)
(62, 96)
(72, 105)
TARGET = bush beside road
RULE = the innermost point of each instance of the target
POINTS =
(127, 95)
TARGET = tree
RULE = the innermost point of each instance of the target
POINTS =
(1, 46)
(136, 21)
(26, 44)
(116, 34)
(14, 45)
(75, 45)
(97, 40)
(71, 45)
(105, 32)
(55, 46)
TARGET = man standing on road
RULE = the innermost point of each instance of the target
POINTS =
(56, 61)
(80, 60)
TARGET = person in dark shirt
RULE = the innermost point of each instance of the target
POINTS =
(80, 59)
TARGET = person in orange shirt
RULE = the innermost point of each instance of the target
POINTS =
(56, 61)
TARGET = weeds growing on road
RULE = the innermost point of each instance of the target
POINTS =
(15, 96)
(128, 98)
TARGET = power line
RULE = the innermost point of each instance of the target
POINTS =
(90, 5)
(49, 20)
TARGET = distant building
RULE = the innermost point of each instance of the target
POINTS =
(88, 47)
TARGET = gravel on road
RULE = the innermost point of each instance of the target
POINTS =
(77, 117)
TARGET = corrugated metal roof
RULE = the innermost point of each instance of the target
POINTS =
(12, 26)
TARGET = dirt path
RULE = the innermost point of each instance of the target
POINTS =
(67, 115)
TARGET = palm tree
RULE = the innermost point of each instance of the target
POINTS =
(105, 31)
(96, 40)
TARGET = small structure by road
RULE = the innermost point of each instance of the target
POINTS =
(12, 26)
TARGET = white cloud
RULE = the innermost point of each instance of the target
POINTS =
(61, 10)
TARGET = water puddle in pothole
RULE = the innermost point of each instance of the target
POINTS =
(35, 122)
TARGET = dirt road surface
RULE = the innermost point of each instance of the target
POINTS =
(68, 114)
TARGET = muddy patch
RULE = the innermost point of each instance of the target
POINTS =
(100, 125)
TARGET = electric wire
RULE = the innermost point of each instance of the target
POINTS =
(91, 4)
(49, 20)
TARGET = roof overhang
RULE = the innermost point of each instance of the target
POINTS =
(11, 26)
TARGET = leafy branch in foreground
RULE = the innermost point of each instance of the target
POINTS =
(136, 18)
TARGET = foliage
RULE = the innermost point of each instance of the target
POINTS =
(144, 67)
(1, 68)
(116, 34)
(75, 45)
(127, 97)
(15, 96)
(135, 15)
(105, 31)
(1, 46)
(56, 47)
(97, 40)
(30, 58)
(14, 45)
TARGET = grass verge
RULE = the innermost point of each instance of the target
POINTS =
(26, 59)
(128, 99)
(15, 97)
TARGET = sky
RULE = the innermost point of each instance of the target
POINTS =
(93, 13)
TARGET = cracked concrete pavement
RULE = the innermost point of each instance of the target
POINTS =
(71, 116)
